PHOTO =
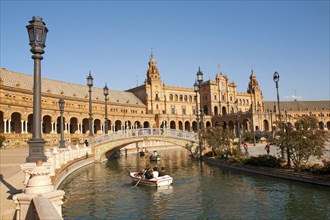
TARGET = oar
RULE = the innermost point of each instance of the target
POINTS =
(139, 179)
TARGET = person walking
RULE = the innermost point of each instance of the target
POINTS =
(267, 148)
(246, 148)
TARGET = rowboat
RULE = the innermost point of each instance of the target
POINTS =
(157, 181)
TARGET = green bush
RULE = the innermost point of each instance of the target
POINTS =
(317, 169)
(264, 161)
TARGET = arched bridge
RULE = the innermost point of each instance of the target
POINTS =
(115, 141)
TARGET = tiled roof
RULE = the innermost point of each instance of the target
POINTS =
(25, 81)
(300, 105)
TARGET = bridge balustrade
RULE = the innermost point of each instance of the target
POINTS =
(146, 132)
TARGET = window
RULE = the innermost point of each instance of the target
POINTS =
(183, 110)
(173, 109)
(171, 97)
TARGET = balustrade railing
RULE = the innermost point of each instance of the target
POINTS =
(56, 157)
(146, 132)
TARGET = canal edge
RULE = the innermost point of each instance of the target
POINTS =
(273, 172)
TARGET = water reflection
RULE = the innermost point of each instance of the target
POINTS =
(199, 191)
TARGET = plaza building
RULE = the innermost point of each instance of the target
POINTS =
(152, 104)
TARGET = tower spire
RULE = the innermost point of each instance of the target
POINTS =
(152, 73)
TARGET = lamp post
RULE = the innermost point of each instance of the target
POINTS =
(61, 105)
(196, 89)
(90, 84)
(37, 31)
(322, 123)
(106, 93)
(276, 78)
(200, 80)
(239, 127)
(200, 127)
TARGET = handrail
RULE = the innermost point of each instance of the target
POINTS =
(147, 132)
(43, 209)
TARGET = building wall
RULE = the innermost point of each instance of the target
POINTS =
(153, 104)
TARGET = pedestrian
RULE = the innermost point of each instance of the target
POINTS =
(267, 148)
(86, 143)
(125, 152)
(245, 145)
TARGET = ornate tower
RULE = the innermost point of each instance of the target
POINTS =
(152, 73)
(257, 99)
(154, 89)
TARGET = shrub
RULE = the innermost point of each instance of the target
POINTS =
(264, 161)
(317, 169)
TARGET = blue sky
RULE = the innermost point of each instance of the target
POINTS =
(113, 39)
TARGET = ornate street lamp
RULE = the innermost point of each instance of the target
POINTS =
(37, 31)
(200, 80)
(106, 93)
(197, 88)
(90, 84)
(239, 127)
(276, 78)
(322, 123)
(61, 105)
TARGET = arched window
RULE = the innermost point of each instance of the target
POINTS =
(216, 110)
(171, 97)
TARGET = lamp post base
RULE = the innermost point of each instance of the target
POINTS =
(62, 144)
(36, 150)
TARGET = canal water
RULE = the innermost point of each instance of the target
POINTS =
(199, 191)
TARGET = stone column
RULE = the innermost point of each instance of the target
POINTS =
(9, 126)
(52, 128)
(22, 126)
(4, 125)
(26, 126)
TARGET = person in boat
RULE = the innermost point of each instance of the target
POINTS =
(162, 172)
(148, 174)
(155, 172)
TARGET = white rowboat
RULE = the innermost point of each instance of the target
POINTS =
(157, 181)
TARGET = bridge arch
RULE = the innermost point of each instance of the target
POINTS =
(110, 143)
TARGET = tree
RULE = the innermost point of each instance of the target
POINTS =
(219, 139)
(304, 140)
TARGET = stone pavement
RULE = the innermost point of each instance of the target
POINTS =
(11, 178)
